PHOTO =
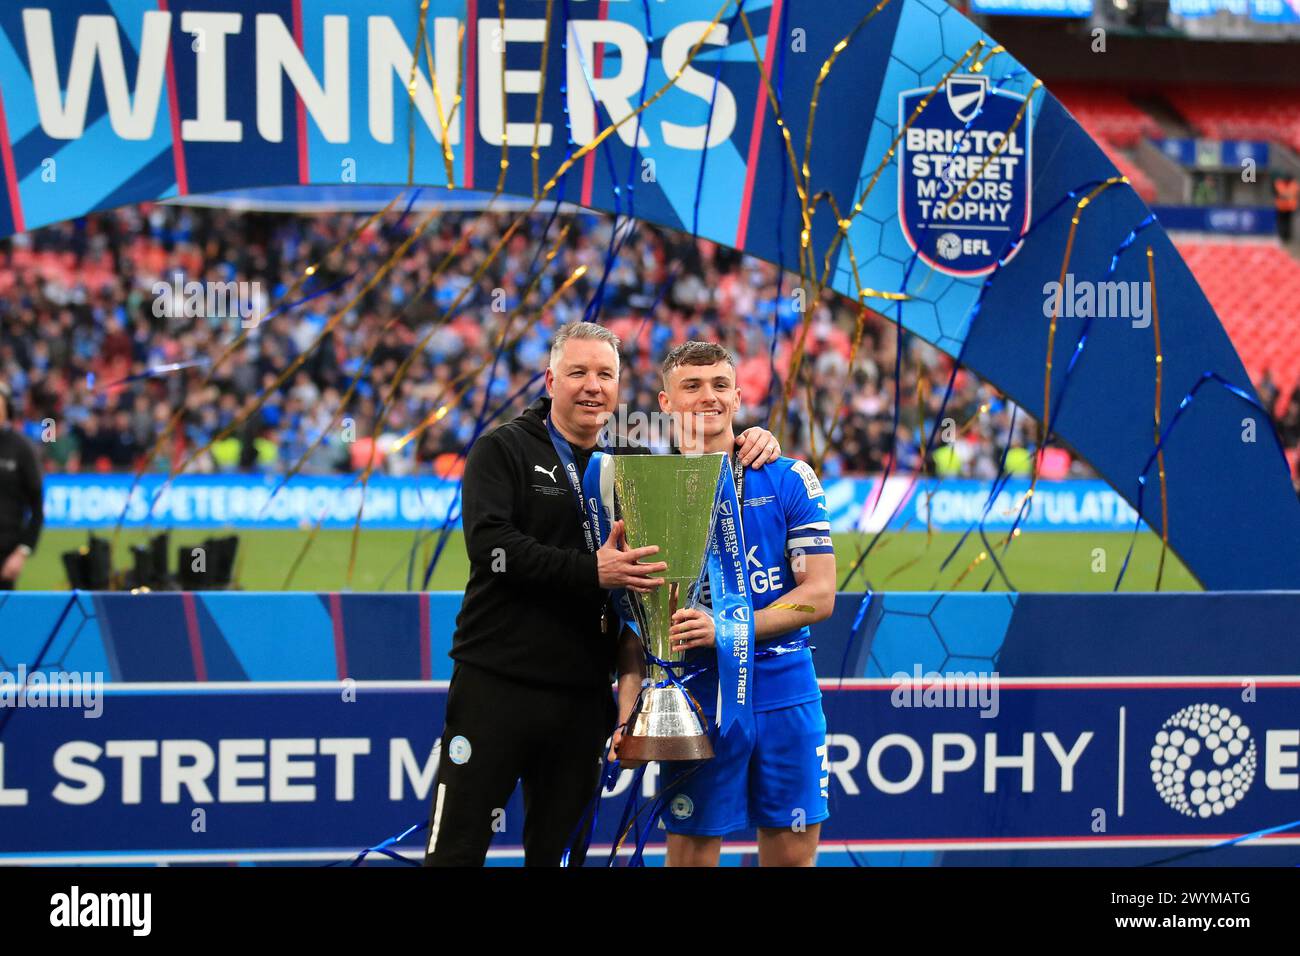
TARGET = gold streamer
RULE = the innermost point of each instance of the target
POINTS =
(982, 557)
(329, 327)
(1043, 436)
(347, 396)
(505, 122)
(1160, 452)
(843, 223)
(230, 350)
(609, 130)
(306, 545)
(822, 74)
(541, 92)
(860, 203)
(1051, 331)
(440, 412)
(802, 176)
(568, 163)
(410, 91)
(445, 121)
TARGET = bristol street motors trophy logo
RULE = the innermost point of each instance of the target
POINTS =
(963, 184)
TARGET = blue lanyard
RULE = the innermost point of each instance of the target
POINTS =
(569, 466)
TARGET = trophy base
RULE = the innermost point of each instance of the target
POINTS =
(666, 727)
(665, 748)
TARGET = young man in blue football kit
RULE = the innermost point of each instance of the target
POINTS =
(779, 784)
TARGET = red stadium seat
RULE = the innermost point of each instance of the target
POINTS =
(1107, 114)
(1254, 288)
(1226, 112)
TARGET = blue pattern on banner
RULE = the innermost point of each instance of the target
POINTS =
(1214, 152)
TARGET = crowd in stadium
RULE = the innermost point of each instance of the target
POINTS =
(88, 338)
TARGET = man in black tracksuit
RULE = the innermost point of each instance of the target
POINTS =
(22, 507)
(531, 692)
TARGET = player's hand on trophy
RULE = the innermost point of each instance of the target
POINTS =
(758, 447)
(619, 567)
(692, 627)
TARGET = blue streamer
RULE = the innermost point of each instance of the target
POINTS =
(382, 847)
(1281, 828)
(1205, 377)
(858, 621)
(597, 301)
(958, 361)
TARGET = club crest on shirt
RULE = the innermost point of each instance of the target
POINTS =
(459, 750)
(810, 482)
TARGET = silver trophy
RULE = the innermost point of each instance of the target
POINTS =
(666, 500)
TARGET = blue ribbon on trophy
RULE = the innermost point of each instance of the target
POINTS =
(733, 614)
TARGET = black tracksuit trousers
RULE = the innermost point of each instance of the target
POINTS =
(499, 731)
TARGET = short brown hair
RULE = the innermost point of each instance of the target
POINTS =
(696, 353)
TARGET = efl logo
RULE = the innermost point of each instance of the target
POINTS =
(1203, 760)
(964, 174)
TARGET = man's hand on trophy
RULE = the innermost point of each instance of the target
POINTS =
(692, 627)
(613, 752)
(758, 447)
(620, 568)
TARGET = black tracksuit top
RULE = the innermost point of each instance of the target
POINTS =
(533, 603)
(21, 505)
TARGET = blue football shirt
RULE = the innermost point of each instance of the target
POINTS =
(784, 515)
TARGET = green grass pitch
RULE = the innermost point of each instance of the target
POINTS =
(1040, 561)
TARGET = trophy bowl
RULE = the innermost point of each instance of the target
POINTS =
(669, 501)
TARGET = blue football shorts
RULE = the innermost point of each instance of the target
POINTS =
(778, 782)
